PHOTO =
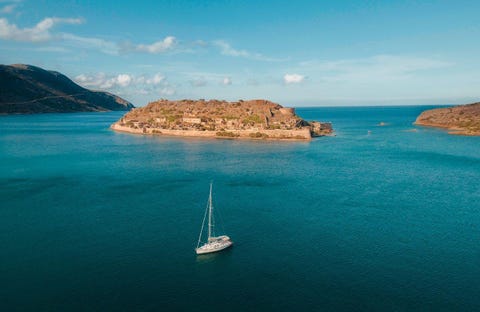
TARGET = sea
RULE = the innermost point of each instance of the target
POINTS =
(375, 218)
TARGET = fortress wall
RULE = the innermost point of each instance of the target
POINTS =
(272, 134)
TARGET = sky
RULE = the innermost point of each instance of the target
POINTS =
(296, 53)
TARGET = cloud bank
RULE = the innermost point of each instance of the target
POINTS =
(43, 32)
(102, 81)
(39, 33)
(127, 83)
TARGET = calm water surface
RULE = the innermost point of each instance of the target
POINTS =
(91, 219)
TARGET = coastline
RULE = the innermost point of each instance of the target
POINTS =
(450, 130)
(277, 135)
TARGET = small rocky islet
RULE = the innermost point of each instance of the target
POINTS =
(460, 120)
(254, 119)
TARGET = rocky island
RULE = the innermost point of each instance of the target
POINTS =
(27, 89)
(461, 120)
(255, 119)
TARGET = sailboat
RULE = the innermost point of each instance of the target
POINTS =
(214, 243)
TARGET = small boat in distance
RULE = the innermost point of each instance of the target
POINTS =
(214, 243)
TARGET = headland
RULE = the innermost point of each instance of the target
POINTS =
(27, 89)
(460, 120)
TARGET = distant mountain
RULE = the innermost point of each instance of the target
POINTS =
(26, 89)
(461, 119)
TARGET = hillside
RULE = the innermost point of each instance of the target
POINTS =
(26, 89)
(258, 119)
(462, 119)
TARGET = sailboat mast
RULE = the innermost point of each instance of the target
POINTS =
(210, 208)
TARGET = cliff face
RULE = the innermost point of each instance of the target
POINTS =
(462, 119)
(26, 89)
(259, 119)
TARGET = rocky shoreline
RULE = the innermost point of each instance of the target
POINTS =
(459, 120)
(256, 119)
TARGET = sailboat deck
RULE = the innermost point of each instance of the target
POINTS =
(217, 244)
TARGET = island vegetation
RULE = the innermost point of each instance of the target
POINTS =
(254, 119)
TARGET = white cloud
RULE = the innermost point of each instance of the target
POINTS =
(227, 49)
(40, 32)
(156, 79)
(150, 87)
(8, 9)
(102, 81)
(154, 85)
(82, 78)
(99, 80)
(123, 80)
(114, 48)
(152, 81)
(157, 47)
(293, 78)
(227, 81)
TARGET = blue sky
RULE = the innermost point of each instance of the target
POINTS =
(304, 53)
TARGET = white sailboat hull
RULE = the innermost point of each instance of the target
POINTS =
(214, 244)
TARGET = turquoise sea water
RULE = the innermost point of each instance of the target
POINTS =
(96, 220)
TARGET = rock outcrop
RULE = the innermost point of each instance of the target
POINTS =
(256, 119)
(461, 120)
(26, 89)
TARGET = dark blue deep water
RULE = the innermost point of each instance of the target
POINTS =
(96, 220)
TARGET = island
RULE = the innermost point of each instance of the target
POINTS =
(254, 119)
(460, 120)
(27, 89)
